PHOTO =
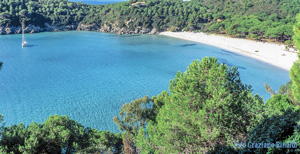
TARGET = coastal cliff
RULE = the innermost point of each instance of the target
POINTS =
(126, 27)
(35, 29)
(106, 28)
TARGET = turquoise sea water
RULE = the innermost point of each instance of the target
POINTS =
(88, 76)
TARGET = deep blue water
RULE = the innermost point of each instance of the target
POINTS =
(88, 76)
(98, 2)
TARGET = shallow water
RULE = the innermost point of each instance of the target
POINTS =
(88, 76)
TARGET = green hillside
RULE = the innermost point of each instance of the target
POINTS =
(257, 19)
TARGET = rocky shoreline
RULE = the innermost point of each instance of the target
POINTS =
(34, 29)
(84, 27)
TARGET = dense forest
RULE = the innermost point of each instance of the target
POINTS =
(256, 19)
(38, 12)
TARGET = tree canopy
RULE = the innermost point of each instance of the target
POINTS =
(58, 134)
(208, 105)
(257, 19)
(295, 70)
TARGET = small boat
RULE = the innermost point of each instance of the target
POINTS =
(24, 42)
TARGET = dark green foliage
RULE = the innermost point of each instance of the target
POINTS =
(279, 103)
(295, 77)
(282, 118)
(208, 105)
(285, 89)
(277, 128)
(39, 12)
(284, 95)
(221, 149)
(55, 135)
(255, 19)
(103, 142)
(158, 102)
(296, 36)
(295, 70)
(261, 20)
(13, 138)
(134, 116)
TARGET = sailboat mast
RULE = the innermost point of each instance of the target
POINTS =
(23, 37)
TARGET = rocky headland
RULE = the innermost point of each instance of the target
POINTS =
(106, 28)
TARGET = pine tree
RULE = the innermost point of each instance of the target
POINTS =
(295, 77)
(134, 115)
(208, 105)
(295, 70)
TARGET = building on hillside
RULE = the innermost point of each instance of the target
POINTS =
(139, 3)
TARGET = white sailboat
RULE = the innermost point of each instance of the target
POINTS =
(24, 42)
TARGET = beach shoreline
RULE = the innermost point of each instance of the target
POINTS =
(270, 53)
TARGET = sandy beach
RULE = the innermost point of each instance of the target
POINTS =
(268, 52)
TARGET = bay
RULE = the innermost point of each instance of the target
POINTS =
(88, 76)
